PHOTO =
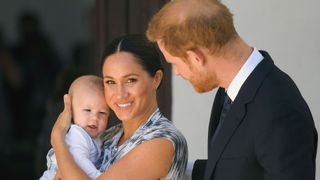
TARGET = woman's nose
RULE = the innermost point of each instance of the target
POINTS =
(121, 91)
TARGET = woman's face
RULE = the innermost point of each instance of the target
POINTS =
(129, 90)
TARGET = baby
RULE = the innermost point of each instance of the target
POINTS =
(90, 117)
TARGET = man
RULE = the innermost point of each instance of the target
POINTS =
(265, 131)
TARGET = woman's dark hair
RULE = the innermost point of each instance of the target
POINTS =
(145, 51)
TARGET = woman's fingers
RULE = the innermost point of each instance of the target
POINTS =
(64, 119)
(57, 176)
(63, 122)
(67, 106)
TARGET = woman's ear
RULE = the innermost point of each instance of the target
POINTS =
(196, 55)
(158, 78)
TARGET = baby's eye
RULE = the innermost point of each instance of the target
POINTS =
(103, 113)
(87, 110)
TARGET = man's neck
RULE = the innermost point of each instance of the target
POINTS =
(234, 56)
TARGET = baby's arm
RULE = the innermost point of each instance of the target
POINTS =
(80, 146)
(52, 166)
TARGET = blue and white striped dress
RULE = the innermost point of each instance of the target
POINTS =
(157, 126)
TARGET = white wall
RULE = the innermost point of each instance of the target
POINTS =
(289, 31)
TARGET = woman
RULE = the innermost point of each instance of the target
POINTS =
(145, 145)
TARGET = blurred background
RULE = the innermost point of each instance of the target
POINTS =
(44, 45)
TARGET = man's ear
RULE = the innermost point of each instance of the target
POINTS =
(160, 44)
(196, 55)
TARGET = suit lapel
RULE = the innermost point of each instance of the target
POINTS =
(231, 122)
(236, 113)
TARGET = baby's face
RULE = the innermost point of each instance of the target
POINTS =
(90, 111)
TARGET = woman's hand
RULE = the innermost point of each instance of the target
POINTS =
(57, 176)
(63, 122)
(68, 169)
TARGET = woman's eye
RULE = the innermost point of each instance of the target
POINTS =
(109, 82)
(131, 80)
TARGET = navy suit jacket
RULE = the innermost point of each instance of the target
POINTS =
(268, 134)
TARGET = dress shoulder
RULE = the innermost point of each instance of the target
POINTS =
(111, 132)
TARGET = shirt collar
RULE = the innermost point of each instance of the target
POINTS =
(254, 59)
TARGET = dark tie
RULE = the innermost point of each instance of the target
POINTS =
(226, 107)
